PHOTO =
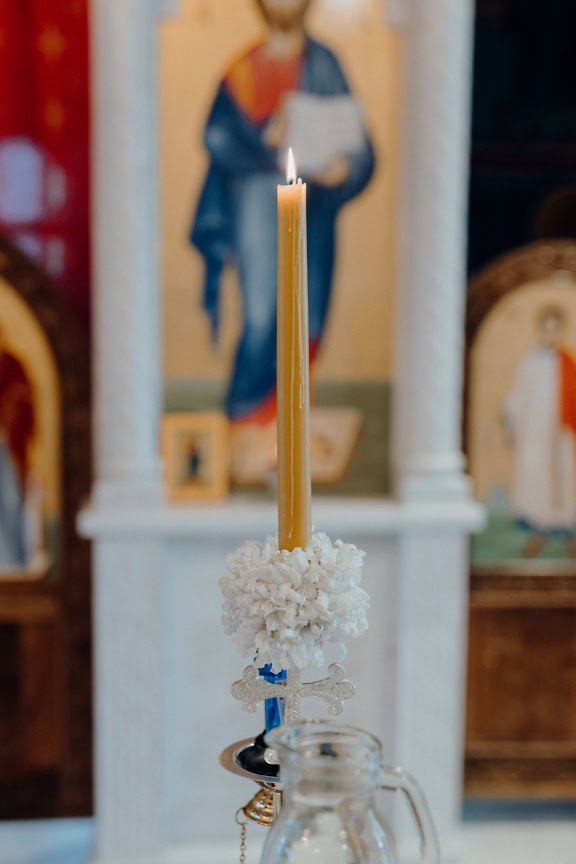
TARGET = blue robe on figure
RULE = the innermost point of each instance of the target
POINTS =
(235, 223)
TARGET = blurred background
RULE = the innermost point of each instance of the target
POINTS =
(521, 728)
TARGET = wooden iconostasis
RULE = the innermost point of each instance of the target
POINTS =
(521, 727)
(45, 632)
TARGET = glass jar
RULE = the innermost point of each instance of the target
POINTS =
(330, 774)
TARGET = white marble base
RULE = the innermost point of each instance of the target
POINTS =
(518, 843)
(70, 842)
(164, 665)
(57, 841)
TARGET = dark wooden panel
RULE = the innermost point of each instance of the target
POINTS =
(522, 675)
(547, 777)
(31, 793)
(9, 696)
(43, 720)
(32, 722)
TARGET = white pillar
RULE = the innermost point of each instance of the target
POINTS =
(125, 238)
(128, 597)
(431, 666)
(432, 238)
(128, 722)
(431, 294)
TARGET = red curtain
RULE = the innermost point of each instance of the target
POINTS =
(44, 138)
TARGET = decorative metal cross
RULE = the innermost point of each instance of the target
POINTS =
(252, 689)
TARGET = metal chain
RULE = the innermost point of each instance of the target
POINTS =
(242, 837)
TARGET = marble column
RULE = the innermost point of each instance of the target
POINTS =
(429, 466)
(128, 583)
(432, 248)
(125, 250)
(129, 695)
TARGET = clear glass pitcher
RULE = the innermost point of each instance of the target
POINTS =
(330, 774)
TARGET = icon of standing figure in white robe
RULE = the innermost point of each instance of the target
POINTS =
(540, 419)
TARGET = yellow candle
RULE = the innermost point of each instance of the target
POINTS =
(293, 385)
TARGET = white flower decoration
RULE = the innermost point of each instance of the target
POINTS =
(283, 607)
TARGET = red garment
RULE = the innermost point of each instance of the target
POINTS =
(567, 389)
(16, 412)
(258, 82)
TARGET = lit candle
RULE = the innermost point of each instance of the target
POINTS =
(293, 387)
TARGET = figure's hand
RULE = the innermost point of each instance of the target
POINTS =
(275, 130)
(335, 174)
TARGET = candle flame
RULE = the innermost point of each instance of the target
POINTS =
(291, 167)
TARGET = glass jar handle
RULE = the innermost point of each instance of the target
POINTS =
(398, 780)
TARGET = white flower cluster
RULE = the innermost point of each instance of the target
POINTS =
(283, 607)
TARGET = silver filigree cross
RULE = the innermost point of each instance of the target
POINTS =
(252, 689)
